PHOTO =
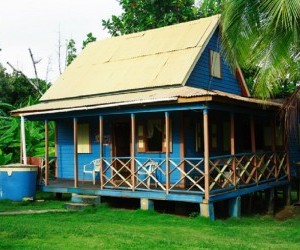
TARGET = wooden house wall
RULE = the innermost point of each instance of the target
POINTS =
(200, 76)
(65, 147)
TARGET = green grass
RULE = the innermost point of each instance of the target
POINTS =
(106, 228)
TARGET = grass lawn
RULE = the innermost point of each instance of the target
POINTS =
(106, 228)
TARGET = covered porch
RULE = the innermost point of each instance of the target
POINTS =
(207, 154)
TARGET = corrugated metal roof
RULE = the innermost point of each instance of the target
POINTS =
(138, 97)
(154, 58)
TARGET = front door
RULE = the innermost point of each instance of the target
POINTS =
(122, 147)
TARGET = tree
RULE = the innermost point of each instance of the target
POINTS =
(140, 15)
(89, 39)
(263, 35)
(71, 51)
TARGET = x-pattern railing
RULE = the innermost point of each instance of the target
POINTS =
(144, 174)
(188, 173)
(246, 169)
(111, 172)
(191, 170)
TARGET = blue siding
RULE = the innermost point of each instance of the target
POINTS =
(65, 148)
(200, 76)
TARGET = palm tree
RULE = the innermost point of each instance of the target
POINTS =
(264, 34)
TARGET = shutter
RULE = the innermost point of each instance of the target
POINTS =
(83, 137)
(215, 64)
(141, 133)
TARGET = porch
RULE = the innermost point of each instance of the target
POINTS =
(214, 156)
(229, 177)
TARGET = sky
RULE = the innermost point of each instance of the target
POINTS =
(37, 24)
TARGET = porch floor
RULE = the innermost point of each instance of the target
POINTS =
(87, 187)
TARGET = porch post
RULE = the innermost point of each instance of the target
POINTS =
(132, 151)
(46, 153)
(101, 149)
(206, 153)
(75, 137)
(182, 151)
(23, 141)
(273, 140)
(232, 147)
(253, 144)
(167, 121)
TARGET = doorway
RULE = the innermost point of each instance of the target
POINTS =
(122, 147)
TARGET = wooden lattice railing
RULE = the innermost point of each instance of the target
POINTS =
(187, 174)
(246, 169)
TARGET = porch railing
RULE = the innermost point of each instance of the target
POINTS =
(187, 174)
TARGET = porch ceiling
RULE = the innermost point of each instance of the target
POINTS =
(183, 94)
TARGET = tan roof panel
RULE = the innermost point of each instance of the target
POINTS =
(158, 57)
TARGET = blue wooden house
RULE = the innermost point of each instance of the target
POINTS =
(159, 115)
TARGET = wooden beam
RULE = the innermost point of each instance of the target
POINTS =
(167, 124)
(23, 141)
(56, 147)
(46, 153)
(206, 154)
(132, 151)
(182, 149)
(101, 149)
(232, 146)
(194, 99)
(75, 138)
(253, 144)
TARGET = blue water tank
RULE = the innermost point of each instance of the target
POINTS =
(18, 181)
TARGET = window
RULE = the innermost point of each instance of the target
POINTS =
(215, 64)
(152, 136)
(83, 138)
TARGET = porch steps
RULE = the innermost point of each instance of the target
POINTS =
(80, 202)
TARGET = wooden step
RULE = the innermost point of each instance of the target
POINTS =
(88, 199)
(77, 206)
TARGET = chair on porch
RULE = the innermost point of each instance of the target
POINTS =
(92, 168)
(148, 171)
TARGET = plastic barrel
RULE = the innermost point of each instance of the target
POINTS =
(18, 181)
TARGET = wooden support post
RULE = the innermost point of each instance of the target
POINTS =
(206, 154)
(253, 144)
(46, 153)
(270, 193)
(167, 123)
(273, 141)
(23, 141)
(56, 147)
(101, 149)
(232, 147)
(235, 207)
(132, 151)
(207, 210)
(146, 204)
(287, 195)
(75, 138)
(182, 149)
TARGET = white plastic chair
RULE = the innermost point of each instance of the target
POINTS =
(149, 171)
(92, 168)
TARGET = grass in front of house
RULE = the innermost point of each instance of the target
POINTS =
(42, 201)
(105, 228)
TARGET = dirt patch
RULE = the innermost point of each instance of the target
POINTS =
(288, 212)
